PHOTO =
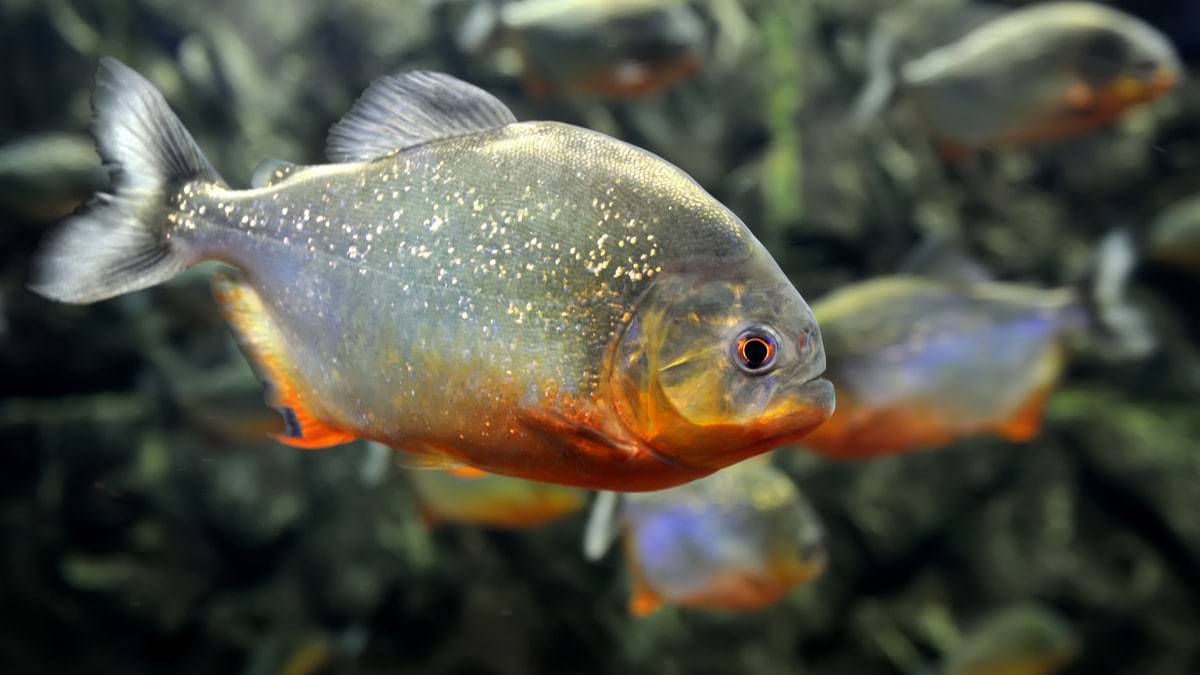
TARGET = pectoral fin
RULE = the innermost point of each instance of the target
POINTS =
(264, 347)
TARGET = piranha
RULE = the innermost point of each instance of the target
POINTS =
(620, 49)
(1020, 640)
(530, 299)
(740, 540)
(920, 362)
(1046, 71)
(476, 498)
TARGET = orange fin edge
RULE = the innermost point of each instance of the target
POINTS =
(1027, 422)
(263, 346)
(469, 472)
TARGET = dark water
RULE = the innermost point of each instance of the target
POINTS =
(148, 527)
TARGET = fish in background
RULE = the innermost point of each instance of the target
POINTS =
(739, 540)
(475, 498)
(1175, 235)
(921, 361)
(609, 48)
(1021, 640)
(45, 177)
(532, 299)
(1041, 72)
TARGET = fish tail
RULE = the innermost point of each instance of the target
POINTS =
(122, 241)
(1105, 297)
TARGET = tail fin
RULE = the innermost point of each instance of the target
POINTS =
(1105, 298)
(119, 242)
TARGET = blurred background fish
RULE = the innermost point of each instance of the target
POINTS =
(606, 48)
(919, 362)
(43, 178)
(489, 500)
(1022, 640)
(1046, 71)
(738, 540)
(1174, 236)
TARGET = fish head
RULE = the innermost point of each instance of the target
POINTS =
(1126, 62)
(717, 364)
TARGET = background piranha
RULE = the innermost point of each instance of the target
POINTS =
(617, 49)
(532, 299)
(737, 540)
(1045, 71)
(920, 362)
(1022, 640)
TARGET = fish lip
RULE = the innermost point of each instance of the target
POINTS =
(815, 402)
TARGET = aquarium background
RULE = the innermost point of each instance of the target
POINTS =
(148, 526)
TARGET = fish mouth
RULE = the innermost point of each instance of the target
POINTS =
(801, 410)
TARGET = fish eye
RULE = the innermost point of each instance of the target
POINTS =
(755, 349)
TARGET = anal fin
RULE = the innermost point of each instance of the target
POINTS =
(264, 347)
(1027, 422)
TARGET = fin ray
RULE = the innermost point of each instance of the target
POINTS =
(400, 111)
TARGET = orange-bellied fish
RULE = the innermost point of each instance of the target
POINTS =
(489, 500)
(1021, 640)
(531, 299)
(737, 540)
(920, 362)
(1045, 71)
(609, 48)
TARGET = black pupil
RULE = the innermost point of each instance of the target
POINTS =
(756, 351)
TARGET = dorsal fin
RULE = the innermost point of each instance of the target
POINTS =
(271, 171)
(400, 111)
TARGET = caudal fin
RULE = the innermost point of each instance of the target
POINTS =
(1114, 317)
(119, 242)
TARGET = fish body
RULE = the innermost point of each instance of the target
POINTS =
(737, 540)
(920, 362)
(625, 49)
(531, 299)
(489, 500)
(1021, 640)
(1175, 235)
(1047, 71)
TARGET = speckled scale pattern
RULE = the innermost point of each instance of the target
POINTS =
(408, 287)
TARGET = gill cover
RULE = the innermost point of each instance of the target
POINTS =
(711, 364)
